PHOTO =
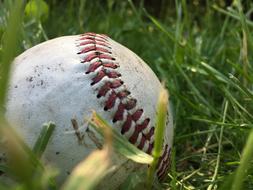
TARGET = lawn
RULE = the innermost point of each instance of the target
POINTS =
(202, 50)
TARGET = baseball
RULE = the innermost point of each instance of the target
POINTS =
(64, 79)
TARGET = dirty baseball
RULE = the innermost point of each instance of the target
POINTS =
(64, 79)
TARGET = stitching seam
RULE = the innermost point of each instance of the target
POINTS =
(103, 66)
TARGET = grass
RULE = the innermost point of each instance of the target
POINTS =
(202, 52)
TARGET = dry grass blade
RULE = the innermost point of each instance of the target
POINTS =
(89, 172)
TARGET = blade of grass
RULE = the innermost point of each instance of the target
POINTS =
(236, 102)
(173, 170)
(214, 177)
(132, 5)
(9, 47)
(170, 35)
(246, 38)
(22, 162)
(196, 134)
(89, 172)
(231, 81)
(195, 90)
(159, 134)
(244, 166)
(120, 143)
(42, 141)
(18, 161)
(161, 27)
(245, 125)
(232, 15)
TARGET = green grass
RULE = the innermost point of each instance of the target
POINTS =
(202, 52)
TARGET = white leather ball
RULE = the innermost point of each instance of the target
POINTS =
(63, 79)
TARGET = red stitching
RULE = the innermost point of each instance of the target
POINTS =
(150, 133)
(102, 73)
(131, 103)
(92, 38)
(136, 116)
(123, 94)
(150, 147)
(126, 126)
(94, 35)
(99, 63)
(163, 155)
(111, 101)
(164, 164)
(142, 143)
(119, 113)
(93, 66)
(88, 42)
(163, 174)
(96, 47)
(138, 129)
(110, 65)
(109, 85)
(98, 55)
